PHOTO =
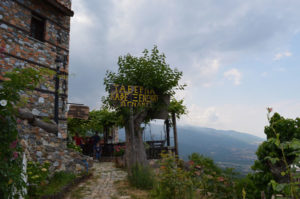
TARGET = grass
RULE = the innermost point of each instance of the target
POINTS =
(57, 182)
(141, 177)
(77, 194)
(125, 189)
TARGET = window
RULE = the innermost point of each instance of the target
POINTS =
(37, 27)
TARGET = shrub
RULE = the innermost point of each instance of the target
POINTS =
(173, 181)
(57, 182)
(119, 150)
(37, 177)
(141, 177)
(15, 83)
(73, 146)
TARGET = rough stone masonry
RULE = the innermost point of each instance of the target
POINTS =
(36, 34)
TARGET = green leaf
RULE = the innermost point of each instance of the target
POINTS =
(295, 144)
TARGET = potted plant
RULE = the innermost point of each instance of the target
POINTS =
(119, 152)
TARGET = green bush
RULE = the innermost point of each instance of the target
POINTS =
(57, 182)
(14, 85)
(141, 177)
(38, 176)
(173, 181)
(72, 145)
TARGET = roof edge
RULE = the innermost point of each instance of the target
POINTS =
(61, 7)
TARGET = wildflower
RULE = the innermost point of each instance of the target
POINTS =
(198, 167)
(13, 144)
(35, 176)
(220, 179)
(15, 155)
(198, 173)
(191, 162)
(10, 181)
(44, 169)
(269, 109)
(3, 102)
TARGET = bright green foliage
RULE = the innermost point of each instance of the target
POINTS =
(37, 177)
(119, 150)
(57, 182)
(277, 156)
(141, 177)
(40, 182)
(73, 146)
(98, 121)
(17, 82)
(150, 71)
(173, 181)
(200, 178)
(210, 180)
(177, 107)
(76, 125)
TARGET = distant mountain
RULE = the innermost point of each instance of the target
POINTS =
(226, 148)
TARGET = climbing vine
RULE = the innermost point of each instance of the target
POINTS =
(14, 85)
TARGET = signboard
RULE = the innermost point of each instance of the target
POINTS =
(132, 96)
(78, 111)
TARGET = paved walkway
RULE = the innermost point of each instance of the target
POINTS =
(101, 185)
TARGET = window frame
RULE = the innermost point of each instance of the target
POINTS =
(37, 22)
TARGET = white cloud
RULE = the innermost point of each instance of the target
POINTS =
(204, 72)
(81, 17)
(198, 37)
(240, 117)
(201, 116)
(281, 55)
(264, 74)
(234, 75)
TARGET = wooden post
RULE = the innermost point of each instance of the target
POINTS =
(175, 134)
(167, 122)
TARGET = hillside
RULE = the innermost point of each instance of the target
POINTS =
(226, 148)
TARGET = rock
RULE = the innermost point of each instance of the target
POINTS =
(4, 26)
(55, 164)
(78, 167)
(39, 153)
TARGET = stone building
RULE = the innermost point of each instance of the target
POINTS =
(35, 33)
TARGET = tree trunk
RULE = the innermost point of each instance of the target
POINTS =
(135, 150)
(175, 134)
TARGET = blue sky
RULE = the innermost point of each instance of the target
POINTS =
(238, 57)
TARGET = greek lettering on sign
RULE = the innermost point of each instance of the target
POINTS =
(132, 96)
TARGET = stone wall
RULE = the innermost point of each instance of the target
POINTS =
(40, 146)
(22, 50)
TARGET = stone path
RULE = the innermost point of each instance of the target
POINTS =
(101, 185)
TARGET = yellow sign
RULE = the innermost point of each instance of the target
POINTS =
(132, 96)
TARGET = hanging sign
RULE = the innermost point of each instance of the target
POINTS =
(132, 96)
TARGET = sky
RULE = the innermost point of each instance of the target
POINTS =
(238, 57)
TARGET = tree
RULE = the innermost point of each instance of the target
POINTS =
(176, 108)
(152, 72)
(277, 156)
(98, 121)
